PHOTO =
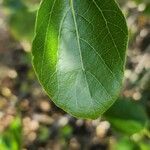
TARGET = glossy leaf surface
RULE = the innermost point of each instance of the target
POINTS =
(79, 54)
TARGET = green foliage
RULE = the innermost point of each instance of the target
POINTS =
(79, 54)
(66, 131)
(43, 133)
(125, 144)
(11, 138)
(127, 116)
(21, 19)
(128, 119)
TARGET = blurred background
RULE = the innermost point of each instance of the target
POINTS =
(30, 121)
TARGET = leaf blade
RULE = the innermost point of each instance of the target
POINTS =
(76, 54)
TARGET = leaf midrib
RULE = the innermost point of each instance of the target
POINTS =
(82, 65)
(80, 53)
(77, 33)
(78, 41)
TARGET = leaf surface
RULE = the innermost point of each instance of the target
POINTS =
(127, 116)
(79, 54)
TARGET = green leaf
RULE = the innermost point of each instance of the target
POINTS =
(125, 143)
(127, 116)
(79, 54)
(144, 145)
(20, 19)
(11, 138)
